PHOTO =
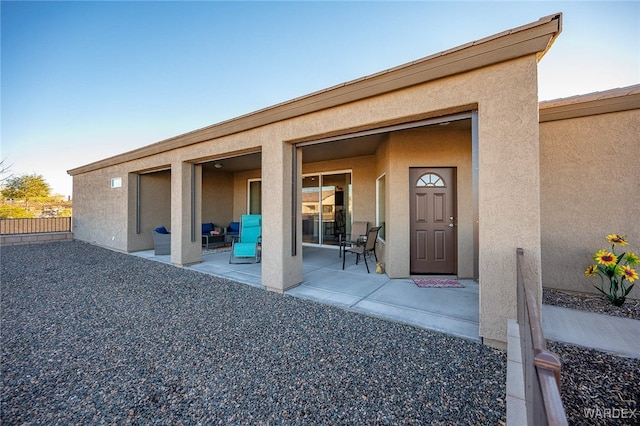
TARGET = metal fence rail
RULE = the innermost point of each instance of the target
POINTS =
(35, 225)
(541, 367)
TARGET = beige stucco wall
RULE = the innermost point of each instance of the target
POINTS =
(240, 192)
(106, 216)
(99, 211)
(217, 197)
(506, 99)
(382, 169)
(281, 267)
(509, 192)
(434, 146)
(589, 177)
(155, 207)
(185, 241)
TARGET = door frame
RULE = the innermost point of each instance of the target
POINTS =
(453, 188)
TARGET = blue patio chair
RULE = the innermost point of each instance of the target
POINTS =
(233, 232)
(247, 249)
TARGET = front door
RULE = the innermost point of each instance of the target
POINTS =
(433, 219)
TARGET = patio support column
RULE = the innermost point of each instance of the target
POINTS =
(186, 213)
(281, 270)
(508, 198)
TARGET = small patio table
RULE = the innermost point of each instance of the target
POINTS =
(214, 239)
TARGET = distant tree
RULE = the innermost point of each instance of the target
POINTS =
(26, 187)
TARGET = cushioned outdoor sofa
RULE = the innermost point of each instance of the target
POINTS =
(162, 240)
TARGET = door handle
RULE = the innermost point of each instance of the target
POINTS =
(451, 225)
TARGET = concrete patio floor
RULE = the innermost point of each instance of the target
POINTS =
(450, 310)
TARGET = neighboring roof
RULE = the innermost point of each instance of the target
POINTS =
(614, 100)
(534, 38)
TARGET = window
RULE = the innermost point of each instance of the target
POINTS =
(116, 182)
(255, 197)
(430, 179)
(380, 206)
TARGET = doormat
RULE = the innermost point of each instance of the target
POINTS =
(220, 249)
(437, 283)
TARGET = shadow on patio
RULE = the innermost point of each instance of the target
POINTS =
(449, 310)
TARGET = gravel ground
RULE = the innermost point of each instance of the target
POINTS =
(92, 336)
(591, 302)
(592, 381)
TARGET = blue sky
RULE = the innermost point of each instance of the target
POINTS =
(82, 81)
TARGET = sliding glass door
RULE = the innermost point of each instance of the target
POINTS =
(326, 207)
(310, 209)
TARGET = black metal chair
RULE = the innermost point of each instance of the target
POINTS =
(356, 238)
(367, 248)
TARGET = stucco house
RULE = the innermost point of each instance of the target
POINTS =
(452, 154)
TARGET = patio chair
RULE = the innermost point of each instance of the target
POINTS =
(247, 249)
(232, 233)
(356, 238)
(161, 240)
(364, 250)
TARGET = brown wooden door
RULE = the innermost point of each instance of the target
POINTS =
(433, 220)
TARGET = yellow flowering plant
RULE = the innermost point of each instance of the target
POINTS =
(616, 268)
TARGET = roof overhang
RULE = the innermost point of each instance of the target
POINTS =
(614, 100)
(531, 39)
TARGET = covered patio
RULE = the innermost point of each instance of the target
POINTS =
(449, 310)
(455, 133)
